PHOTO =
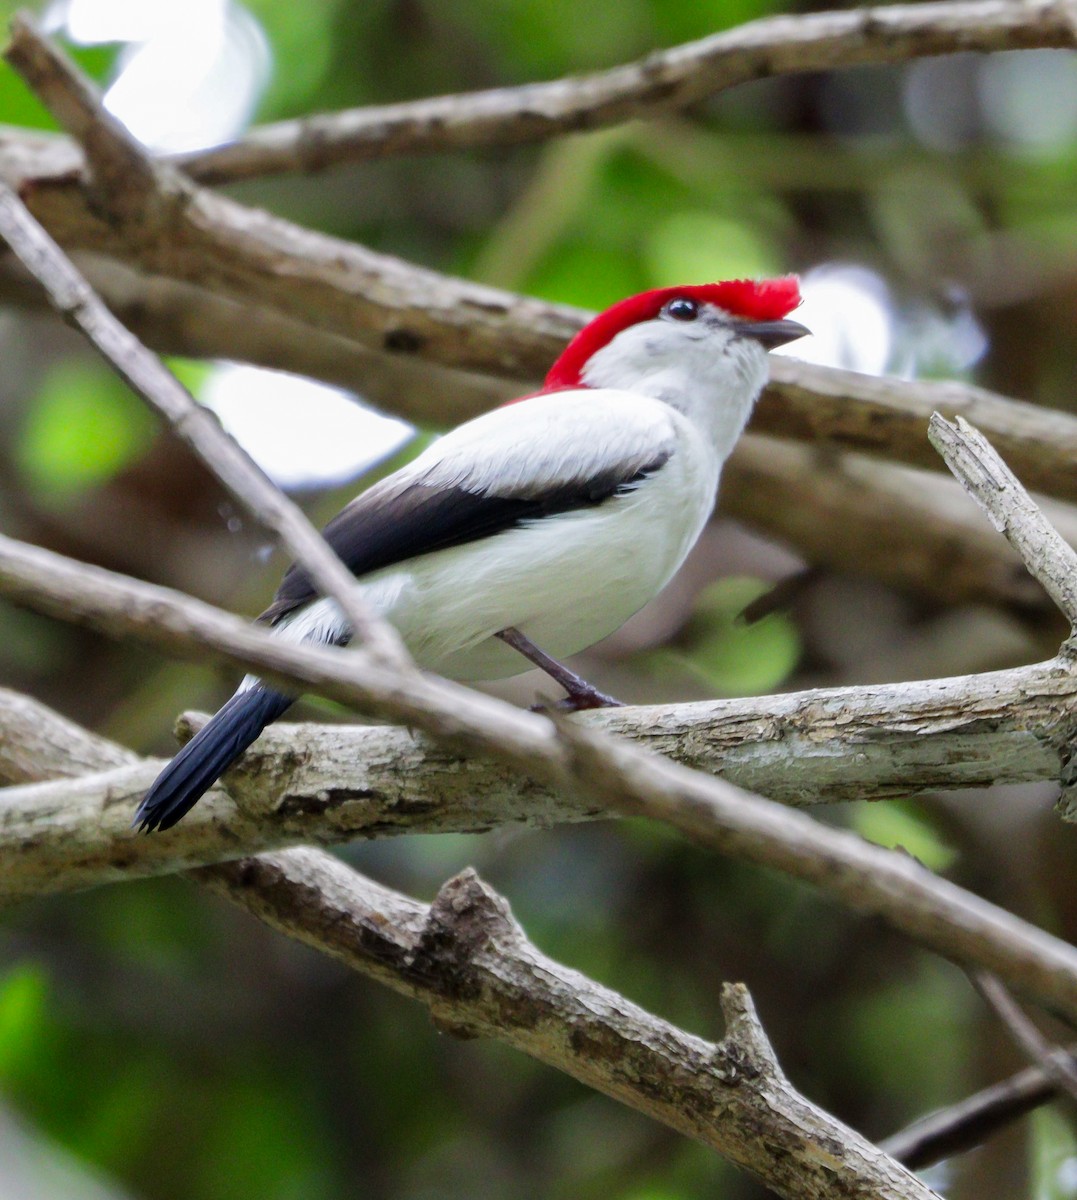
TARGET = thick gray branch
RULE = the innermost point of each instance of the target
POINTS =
(329, 784)
(467, 959)
(343, 290)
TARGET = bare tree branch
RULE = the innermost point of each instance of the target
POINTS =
(664, 81)
(112, 151)
(887, 417)
(912, 529)
(1057, 1066)
(331, 784)
(344, 290)
(1010, 508)
(185, 319)
(973, 1120)
(576, 759)
(470, 963)
(39, 744)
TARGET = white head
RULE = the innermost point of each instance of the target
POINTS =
(701, 349)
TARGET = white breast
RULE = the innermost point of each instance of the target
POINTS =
(566, 581)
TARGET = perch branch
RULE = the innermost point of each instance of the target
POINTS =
(578, 760)
(468, 961)
(336, 783)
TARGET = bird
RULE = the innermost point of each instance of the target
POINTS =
(538, 528)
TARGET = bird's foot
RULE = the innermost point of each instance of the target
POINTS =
(580, 699)
(581, 694)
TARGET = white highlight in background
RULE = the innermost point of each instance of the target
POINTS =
(301, 433)
(191, 73)
(848, 310)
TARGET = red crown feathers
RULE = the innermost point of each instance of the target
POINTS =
(748, 299)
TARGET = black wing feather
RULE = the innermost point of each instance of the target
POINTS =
(385, 526)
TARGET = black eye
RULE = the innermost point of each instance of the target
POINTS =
(683, 309)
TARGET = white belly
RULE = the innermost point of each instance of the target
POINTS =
(565, 582)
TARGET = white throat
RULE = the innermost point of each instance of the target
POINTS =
(703, 371)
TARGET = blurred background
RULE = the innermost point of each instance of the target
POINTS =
(156, 1043)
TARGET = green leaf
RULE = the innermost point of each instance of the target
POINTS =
(1053, 1149)
(21, 107)
(893, 825)
(697, 247)
(729, 656)
(23, 1001)
(301, 36)
(584, 274)
(83, 427)
(191, 372)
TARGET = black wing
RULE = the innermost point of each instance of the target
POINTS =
(389, 524)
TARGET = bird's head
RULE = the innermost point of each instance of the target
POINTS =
(677, 342)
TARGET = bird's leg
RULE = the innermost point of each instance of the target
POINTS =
(581, 694)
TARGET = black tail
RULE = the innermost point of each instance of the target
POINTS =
(208, 755)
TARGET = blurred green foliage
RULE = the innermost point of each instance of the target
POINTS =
(190, 1052)
(1054, 1156)
(19, 106)
(729, 656)
(898, 825)
(84, 426)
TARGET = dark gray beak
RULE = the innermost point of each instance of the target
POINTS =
(772, 333)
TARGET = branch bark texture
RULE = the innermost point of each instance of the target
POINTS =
(577, 760)
(664, 81)
(468, 961)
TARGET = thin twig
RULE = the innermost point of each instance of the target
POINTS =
(1011, 510)
(663, 81)
(1057, 1067)
(971, 1121)
(130, 186)
(124, 182)
(76, 302)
